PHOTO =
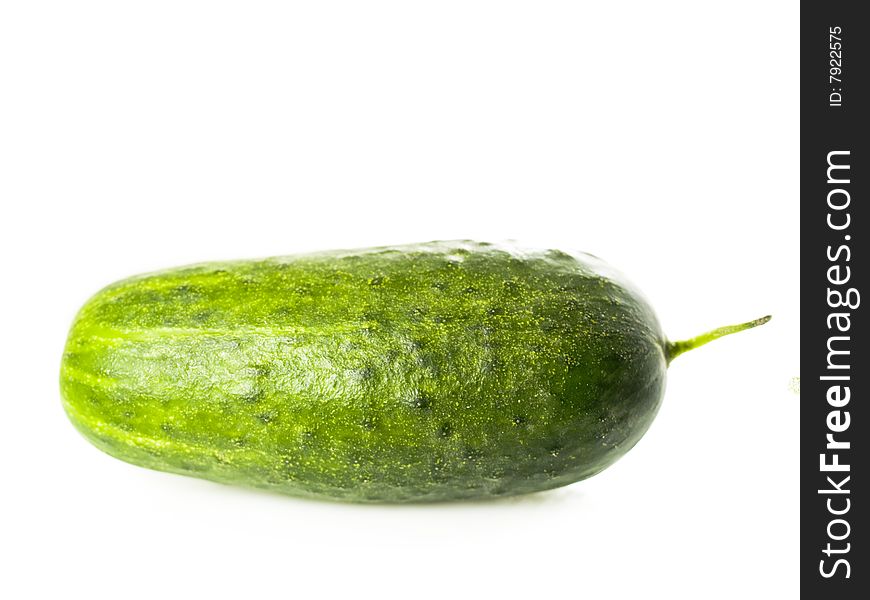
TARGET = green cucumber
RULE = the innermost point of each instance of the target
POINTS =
(428, 372)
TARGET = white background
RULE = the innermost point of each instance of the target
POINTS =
(662, 136)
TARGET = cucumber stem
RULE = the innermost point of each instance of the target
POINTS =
(674, 349)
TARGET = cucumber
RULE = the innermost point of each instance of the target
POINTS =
(428, 372)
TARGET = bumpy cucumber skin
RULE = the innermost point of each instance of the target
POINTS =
(430, 372)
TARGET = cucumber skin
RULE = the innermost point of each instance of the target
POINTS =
(429, 372)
